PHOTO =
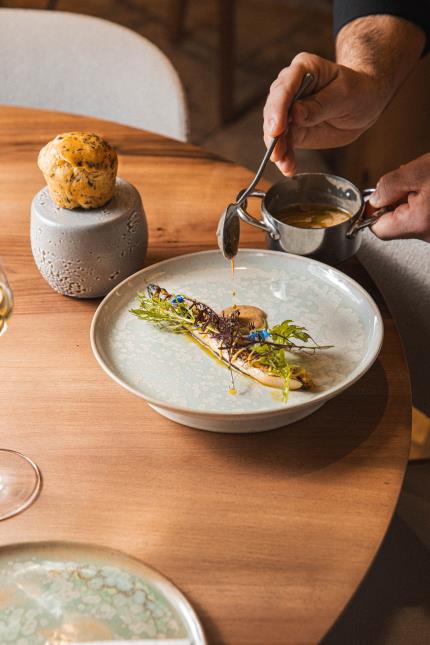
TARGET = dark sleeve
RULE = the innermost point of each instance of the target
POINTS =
(416, 11)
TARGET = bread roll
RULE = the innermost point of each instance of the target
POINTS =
(80, 170)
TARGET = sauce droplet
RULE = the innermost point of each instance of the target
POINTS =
(233, 290)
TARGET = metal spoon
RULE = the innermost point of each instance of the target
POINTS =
(228, 231)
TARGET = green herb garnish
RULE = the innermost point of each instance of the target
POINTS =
(264, 349)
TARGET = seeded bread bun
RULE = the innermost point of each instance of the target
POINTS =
(80, 170)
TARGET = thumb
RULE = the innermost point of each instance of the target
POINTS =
(391, 188)
(326, 104)
(398, 224)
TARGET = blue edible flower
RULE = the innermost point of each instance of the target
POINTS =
(177, 299)
(259, 336)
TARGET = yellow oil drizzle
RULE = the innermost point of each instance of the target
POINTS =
(276, 395)
(206, 350)
(232, 389)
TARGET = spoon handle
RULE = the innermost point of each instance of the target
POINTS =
(307, 80)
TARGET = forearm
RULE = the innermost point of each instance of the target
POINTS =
(386, 48)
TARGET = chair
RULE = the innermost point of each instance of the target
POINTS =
(86, 65)
(401, 270)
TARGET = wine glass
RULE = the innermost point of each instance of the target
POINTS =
(20, 478)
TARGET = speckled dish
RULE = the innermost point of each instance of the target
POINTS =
(187, 385)
(58, 592)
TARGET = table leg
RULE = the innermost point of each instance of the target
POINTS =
(420, 442)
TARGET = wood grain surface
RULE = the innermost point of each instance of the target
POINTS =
(268, 535)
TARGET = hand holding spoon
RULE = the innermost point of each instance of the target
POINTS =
(228, 231)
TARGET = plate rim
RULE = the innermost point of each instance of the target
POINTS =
(321, 398)
(192, 619)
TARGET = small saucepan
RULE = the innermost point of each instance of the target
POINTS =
(330, 245)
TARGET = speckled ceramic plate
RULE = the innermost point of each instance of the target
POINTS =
(187, 385)
(53, 593)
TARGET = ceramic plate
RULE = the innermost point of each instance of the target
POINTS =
(54, 592)
(186, 384)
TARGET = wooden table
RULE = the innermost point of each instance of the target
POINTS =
(268, 535)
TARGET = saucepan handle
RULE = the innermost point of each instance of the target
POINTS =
(246, 217)
(361, 221)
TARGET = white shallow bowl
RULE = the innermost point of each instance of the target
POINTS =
(185, 384)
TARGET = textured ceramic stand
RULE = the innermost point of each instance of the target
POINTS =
(84, 253)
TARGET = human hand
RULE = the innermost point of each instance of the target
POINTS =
(410, 185)
(342, 104)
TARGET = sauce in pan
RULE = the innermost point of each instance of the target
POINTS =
(312, 215)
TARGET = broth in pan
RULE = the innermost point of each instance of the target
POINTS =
(312, 215)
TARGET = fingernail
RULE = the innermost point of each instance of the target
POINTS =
(272, 125)
(374, 199)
